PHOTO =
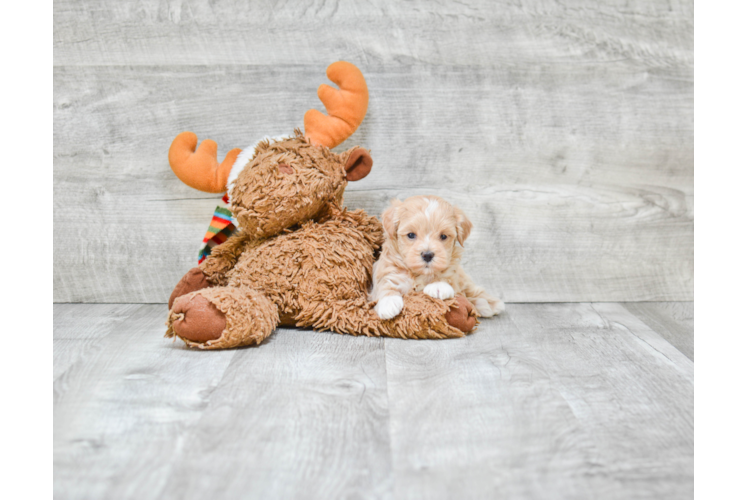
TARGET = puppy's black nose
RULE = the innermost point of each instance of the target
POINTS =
(427, 256)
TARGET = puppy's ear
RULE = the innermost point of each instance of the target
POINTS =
(390, 219)
(464, 226)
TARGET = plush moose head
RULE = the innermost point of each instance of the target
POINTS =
(283, 182)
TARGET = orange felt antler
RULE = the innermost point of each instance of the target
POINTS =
(200, 169)
(346, 107)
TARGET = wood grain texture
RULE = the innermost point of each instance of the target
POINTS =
(138, 416)
(672, 320)
(304, 415)
(484, 32)
(482, 415)
(122, 408)
(630, 388)
(548, 401)
(577, 176)
(80, 329)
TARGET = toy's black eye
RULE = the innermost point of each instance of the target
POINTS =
(412, 236)
(443, 236)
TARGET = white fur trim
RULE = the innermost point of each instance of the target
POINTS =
(245, 157)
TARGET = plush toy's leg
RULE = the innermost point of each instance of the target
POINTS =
(193, 281)
(222, 317)
(223, 258)
(213, 271)
(462, 314)
(422, 317)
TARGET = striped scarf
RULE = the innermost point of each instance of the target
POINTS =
(221, 227)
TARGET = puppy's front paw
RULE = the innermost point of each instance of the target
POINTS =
(439, 290)
(389, 307)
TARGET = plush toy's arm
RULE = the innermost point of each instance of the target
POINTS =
(223, 258)
(422, 317)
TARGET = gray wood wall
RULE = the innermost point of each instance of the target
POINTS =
(564, 130)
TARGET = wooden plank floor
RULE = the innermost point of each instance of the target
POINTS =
(577, 400)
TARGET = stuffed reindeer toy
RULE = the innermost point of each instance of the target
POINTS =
(298, 258)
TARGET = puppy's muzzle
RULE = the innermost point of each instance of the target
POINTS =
(427, 256)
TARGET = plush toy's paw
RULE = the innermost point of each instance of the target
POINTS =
(389, 307)
(489, 307)
(461, 315)
(439, 290)
(193, 281)
(200, 320)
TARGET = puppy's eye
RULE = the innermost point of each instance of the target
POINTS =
(412, 236)
(443, 237)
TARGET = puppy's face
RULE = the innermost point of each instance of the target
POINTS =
(425, 231)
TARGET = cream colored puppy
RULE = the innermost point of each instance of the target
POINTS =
(423, 243)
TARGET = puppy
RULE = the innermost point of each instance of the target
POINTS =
(424, 236)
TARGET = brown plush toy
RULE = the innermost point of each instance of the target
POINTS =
(299, 258)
